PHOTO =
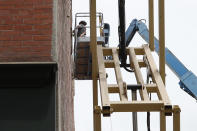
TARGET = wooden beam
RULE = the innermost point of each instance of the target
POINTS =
(176, 118)
(162, 40)
(123, 93)
(162, 121)
(139, 50)
(113, 88)
(107, 51)
(138, 74)
(156, 76)
(151, 25)
(109, 63)
(102, 78)
(136, 106)
(151, 88)
(97, 121)
(141, 63)
(93, 46)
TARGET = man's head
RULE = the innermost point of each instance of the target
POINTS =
(83, 23)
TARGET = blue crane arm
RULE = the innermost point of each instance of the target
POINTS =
(188, 80)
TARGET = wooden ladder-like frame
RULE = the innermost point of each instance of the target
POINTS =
(162, 105)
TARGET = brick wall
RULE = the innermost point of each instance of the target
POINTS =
(40, 30)
(25, 30)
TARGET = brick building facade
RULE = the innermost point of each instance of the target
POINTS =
(40, 31)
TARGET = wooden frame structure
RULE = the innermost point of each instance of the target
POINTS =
(145, 104)
(99, 65)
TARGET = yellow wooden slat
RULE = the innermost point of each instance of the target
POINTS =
(176, 118)
(151, 25)
(123, 93)
(102, 77)
(109, 63)
(162, 40)
(156, 76)
(138, 74)
(136, 106)
(107, 51)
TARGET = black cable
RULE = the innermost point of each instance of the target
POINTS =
(148, 113)
(121, 33)
(148, 118)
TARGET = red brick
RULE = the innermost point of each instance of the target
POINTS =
(43, 11)
(41, 27)
(22, 6)
(38, 2)
(16, 17)
(42, 38)
(23, 27)
(5, 37)
(37, 22)
(36, 43)
(22, 37)
(43, 6)
(10, 2)
(25, 12)
(20, 49)
(38, 32)
(12, 22)
(4, 12)
(7, 6)
(42, 49)
(4, 19)
(43, 16)
(25, 30)
(6, 27)
(10, 43)
(11, 32)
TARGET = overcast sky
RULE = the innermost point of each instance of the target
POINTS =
(181, 27)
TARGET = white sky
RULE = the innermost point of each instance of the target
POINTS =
(181, 27)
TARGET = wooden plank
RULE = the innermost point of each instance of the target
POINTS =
(138, 74)
(81, 61)
(107, 51)
(93, 47)
(102, 77)
(83, 45)
(156, 76)
(136, 106)
(97, 118)
(141, 63)
(151, 25)
(162, 39)
(123, 93)
(151, 88)
(162, 121)
(176, 118)
(109, 63)
(139, 50)
(83, 53)
(113, 88)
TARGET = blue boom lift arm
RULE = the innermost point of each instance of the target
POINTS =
(188, 80)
